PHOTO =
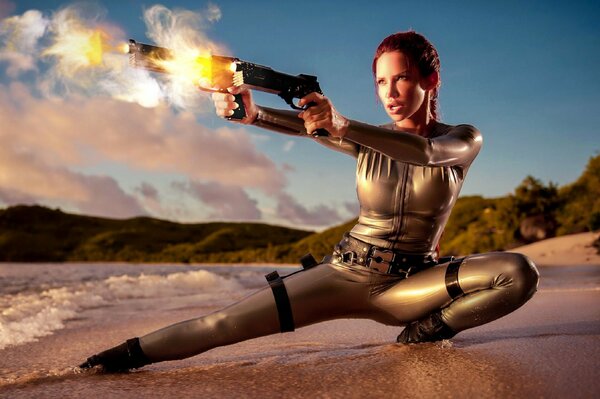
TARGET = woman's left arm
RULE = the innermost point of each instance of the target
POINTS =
(459, 146)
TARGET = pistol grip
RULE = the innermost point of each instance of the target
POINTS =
(240, 112)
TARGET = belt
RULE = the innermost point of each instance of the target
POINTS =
(356, 252)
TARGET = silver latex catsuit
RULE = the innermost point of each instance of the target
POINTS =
(407, 186)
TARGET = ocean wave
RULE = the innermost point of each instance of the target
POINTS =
(26, 317)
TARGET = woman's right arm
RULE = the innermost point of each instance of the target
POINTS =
(281, 121)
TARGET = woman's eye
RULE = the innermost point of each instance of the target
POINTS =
(380, 82)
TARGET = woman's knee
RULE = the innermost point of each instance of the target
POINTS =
(520, 271)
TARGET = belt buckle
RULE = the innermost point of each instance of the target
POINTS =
(349, 257)
(381, 260)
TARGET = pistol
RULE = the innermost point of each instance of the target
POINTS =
(219, 73)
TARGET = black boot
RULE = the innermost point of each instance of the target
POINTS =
(127, 356)
(429, 329)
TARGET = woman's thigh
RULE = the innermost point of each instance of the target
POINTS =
(416, 296)
(427, 291)
(332, 291)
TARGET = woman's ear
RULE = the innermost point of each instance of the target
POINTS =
(432, 81)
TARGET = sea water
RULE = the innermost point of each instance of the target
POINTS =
(37, 300)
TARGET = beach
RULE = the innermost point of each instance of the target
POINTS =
(548, 348)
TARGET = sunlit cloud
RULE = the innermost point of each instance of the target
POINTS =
(42, 137)
(290, 209)
(84, 131)
(25, 178)
(226, 202)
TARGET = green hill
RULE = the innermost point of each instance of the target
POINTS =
(36, 233)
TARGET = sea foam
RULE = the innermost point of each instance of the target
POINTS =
(25, 317)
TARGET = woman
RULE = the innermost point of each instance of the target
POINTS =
(409, 174)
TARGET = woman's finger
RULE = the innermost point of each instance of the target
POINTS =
(315, 116)
(224, 112)
(218, 96)
(311, 97)
(226, 105)
(313, 125)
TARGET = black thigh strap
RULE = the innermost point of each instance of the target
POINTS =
(452, 285)
(284, 308)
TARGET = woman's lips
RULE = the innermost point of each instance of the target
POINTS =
(395, 108)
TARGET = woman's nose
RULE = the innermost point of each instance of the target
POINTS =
(391, 92)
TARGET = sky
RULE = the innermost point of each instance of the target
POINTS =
(522, 72)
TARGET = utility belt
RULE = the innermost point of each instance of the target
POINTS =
(352, 251)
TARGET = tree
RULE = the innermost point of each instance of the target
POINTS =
(581, 201)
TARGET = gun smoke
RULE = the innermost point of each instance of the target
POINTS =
(76, 51)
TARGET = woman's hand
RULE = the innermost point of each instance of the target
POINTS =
(225, 104)
(322, 116)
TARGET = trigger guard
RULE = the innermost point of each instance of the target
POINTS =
(290, 101)
(294, 106)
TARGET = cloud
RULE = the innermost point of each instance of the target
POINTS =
(148, 191)
(46, 140)
(213, 12)
(321, 215)
(227, 202)
(6, 8)
(287, 147)
(28, 179)
(108, 199)
(352, 207)
(78, 131)
(19, 36)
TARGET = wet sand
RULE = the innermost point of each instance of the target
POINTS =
(549, 348)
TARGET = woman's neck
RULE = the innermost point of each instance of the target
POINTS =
(420, 123)
(421, 127)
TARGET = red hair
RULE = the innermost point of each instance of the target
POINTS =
(419, 51)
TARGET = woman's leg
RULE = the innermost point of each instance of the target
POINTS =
(480, 289)
(324, 292)
(493, 285)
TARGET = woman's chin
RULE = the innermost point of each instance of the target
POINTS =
(396, 117)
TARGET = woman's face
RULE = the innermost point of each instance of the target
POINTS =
(401, 88)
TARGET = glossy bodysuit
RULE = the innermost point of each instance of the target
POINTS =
(407, 186)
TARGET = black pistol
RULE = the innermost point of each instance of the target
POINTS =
(221, 72)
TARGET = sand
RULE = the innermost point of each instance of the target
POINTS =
(575, 249)
(548, 348)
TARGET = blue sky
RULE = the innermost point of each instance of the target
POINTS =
(522, 72)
